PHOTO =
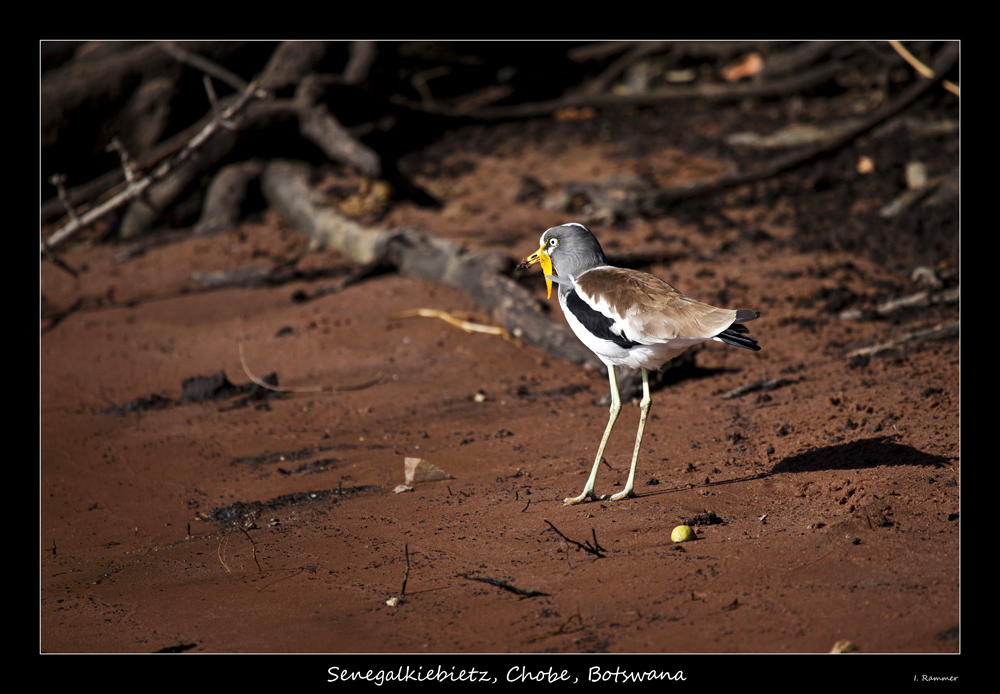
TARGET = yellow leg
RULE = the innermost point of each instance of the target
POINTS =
(643, 411)
(616, 406)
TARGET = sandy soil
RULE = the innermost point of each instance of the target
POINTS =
(248, 524)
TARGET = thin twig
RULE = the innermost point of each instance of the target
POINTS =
(263, 384)
(456, 318)
(912, 60)
(406, 574)
(202, 63)
(594, 549)
(59, 181)
(920, 67)
(221, 551)
(128, 164)
(305, 389)
(253, 545)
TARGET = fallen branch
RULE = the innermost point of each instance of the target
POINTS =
(136, 188)
(481, 275)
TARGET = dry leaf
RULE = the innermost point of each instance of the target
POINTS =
(419, 470)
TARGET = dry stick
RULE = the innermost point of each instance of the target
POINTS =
(263, 384)
(59, 181)
(921, 68)
(595, 549)
(406, 574)
(210, 67)
(137, 188)
(253, 545)
(222, 552)
(454, 318)
(128, 164)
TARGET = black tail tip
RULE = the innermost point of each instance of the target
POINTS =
(744, 314)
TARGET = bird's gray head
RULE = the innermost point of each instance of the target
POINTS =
(568, 250)
(573, 249)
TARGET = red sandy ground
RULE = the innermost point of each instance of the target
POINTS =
(837, 492)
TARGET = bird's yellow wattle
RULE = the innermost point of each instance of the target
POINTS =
(546, 263)
(541, 257)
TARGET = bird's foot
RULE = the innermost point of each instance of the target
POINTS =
(571, 500)
(623, 494)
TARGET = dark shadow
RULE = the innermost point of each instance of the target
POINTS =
(682, 368)
(855, 455)
(858, 455)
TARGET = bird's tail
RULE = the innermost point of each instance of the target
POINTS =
(737, 334)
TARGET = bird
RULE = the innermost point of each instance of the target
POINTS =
(628, 318)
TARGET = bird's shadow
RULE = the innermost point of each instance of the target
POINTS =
(682, 368)
(854, 455)
(860, 455)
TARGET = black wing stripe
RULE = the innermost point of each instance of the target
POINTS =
(596, 322)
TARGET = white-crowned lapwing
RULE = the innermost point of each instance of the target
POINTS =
(627, 318)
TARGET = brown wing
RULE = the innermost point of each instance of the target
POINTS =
(652, 309)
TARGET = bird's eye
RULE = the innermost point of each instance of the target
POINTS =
(553, 243)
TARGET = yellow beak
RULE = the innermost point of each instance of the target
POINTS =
(540, 256)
